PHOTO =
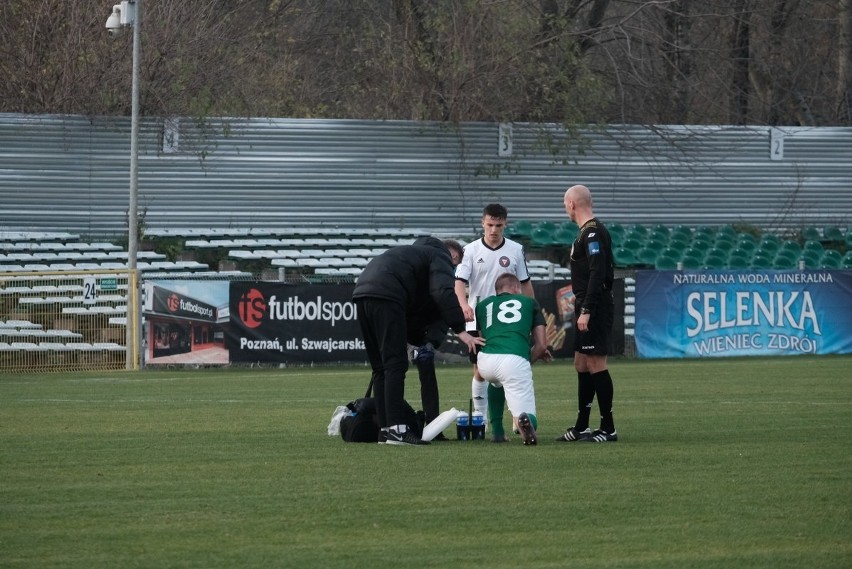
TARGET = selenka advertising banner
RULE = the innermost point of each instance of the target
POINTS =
(277, 322)
(681, 314)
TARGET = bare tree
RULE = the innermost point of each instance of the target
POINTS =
(741, 63)
(563, 61)
(678, 55)
(843, 96)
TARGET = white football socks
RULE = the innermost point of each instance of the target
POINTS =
(479, 391)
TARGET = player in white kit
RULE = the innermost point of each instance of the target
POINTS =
(484, 260)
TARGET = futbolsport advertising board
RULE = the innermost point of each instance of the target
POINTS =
(682, 314)
(274, 322)
(277, 322)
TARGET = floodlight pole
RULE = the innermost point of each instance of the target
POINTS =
(129, 14)
(133, 214)
(131, 320)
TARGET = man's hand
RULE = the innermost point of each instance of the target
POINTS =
(425, 354)
(471, 341)
(468, 312)
(583, 322)
(544, 356)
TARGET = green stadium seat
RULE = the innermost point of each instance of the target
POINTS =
(811, 234)
(739, 262)
(675, 253)
(740, 253)
(769, 243)
(705, 231)
(831, 259)
(724, 244)
(520, 229)
(766, 252)
(702, 241)
(726, 231)
(761, 261)
(542, 237)
(846, 263)
(791, 246)
(571, 226)
(747, 242)
(655, 242)
(811, 259)
(832, 234)
(696, 252)
(624, 257)
(666, 263)
(690, 262)
(813, 246)
(547, 226)
(648, 255)
(615, 230)
(679, 240)
(565, 236)
(786, 259)
(718, 252)
(747, 238)
(770, 238)
(660, 231)
(717, 258)
(682, 231)
(636, 231)
(725, 238)
(630, 243)
(785, 263)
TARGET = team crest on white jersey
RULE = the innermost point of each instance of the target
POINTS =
(504, 261)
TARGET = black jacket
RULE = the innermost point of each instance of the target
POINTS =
(415, 276)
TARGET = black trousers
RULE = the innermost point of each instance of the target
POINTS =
(428, 390)
(434, 334)
(383, 327)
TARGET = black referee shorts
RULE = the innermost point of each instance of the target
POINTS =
(595, 341)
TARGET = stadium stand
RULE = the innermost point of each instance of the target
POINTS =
(321, 254)
(330, 251)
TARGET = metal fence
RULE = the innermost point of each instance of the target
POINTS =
(274, 173)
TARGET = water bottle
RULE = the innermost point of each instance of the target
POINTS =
(463, 426)
(477, 426)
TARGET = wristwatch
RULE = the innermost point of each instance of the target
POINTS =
(585, 310)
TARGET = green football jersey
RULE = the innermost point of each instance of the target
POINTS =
(506, 322)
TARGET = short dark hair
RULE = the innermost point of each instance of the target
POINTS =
(495, 210)
(453, 245)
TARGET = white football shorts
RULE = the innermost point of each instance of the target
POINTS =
(514, 373)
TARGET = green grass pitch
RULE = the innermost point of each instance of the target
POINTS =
(721, 463)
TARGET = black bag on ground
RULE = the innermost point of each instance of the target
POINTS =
(362, 426)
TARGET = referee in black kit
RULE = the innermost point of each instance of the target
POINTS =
(592, 274)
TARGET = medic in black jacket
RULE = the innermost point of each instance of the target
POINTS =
(393, 288)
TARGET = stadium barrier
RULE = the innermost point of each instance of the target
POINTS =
(69, 320)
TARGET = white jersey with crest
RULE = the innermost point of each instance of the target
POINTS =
(481, 265)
